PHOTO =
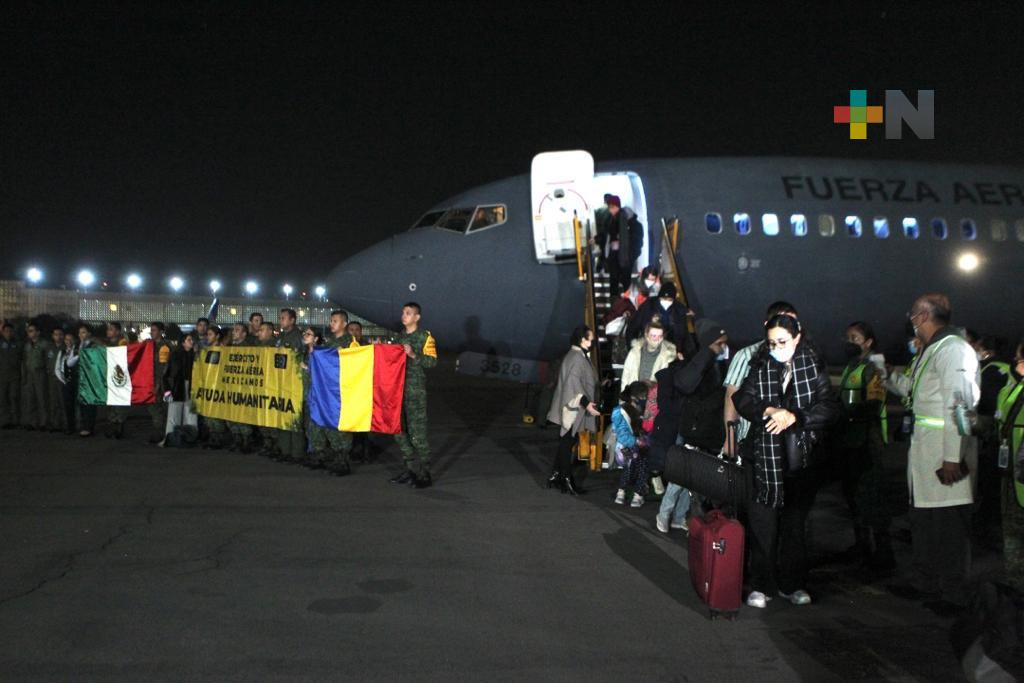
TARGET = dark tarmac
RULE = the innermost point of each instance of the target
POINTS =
(125, 561)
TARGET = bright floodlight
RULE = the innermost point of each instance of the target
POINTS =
(287, 289)
(251, 287)
(134, 280)
(968, 262)
(34, 275)
(177, 283)
(320, 291)
(86, 278)
(214, 286)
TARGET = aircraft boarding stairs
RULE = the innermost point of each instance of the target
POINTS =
(598, 302)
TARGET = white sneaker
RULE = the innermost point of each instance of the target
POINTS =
(660, 524)
(659, 486)
(798, 597)
(620, 497)
(682, 525)
(757, 599)
(637, 501)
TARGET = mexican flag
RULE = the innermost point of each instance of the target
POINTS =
(116, 375)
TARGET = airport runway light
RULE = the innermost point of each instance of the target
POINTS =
(214, 286)
(34, 275)
(287, 289)
(968, 262)
(251, 287)
(86, 278)
(177, 283)
(320, 291)
(134, 281)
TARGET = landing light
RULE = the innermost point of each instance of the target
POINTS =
(968, 262)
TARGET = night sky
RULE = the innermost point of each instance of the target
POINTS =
(230, 141)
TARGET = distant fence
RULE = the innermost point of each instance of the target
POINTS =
(20, 301)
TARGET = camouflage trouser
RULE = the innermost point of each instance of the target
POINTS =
(218, 429)
(239, 429)
(322, 438)
(55, 417)
(10, 396)
(291, 444)
(1013, 535)
(158, 414)
(413, 438)
(34, 400)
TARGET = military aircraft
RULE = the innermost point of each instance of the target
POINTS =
(495, 268)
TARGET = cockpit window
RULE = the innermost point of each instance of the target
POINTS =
(456, 219)
(429, 219)
(488, 217)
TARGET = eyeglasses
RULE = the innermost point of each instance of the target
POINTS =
(911, 315)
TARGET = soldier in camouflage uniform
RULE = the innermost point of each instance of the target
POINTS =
(421, 352)
(33, 374)
(292, 444)
(241, 433)
(218, 435)
(1010, 417)
(268, 435)
(330, 446)
(116, 415)
(161, 357)
(56, 421)
(10, 377)
(253, 333)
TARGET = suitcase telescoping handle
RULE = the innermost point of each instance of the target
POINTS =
(731, 429)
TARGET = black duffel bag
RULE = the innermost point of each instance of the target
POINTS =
(710, 475)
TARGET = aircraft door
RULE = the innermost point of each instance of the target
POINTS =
(561, 184)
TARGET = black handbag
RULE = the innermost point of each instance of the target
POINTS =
(711, 475)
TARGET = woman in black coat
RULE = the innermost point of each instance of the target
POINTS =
(788, 399)
(177, 380)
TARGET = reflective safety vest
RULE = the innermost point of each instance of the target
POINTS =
(853, 392)
(1004, 370)
(1007, 398)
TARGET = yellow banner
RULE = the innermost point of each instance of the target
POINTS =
(249, 384)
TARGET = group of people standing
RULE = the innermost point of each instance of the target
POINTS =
(794, 432)
(39, 389)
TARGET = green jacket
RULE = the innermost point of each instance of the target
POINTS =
(10, 359)
(291, 339)
(424, 357)
(34, 356)
(342, 342)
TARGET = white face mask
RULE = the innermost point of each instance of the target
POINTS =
(652, 285)
(784, 355)
(665, 304)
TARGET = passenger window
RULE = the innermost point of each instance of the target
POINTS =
(881, 224)
(940, 230)
(770, 224)
(911, 230)
(488, 217)
(826, 225)
(1019, 229)
(742, 223)
(854, 228)
(999, 230)
(798, 222)
(713, 222)
(968, 230)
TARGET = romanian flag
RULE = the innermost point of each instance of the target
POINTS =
(116, 375)
(358, 389)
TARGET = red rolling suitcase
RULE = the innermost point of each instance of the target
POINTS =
(716, 562)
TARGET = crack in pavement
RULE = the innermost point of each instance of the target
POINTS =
(68, 562)
(213, 557)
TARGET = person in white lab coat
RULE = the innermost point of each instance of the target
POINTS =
(942, 386)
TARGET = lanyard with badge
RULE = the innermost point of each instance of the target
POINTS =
(916, 374)
(1004, 446)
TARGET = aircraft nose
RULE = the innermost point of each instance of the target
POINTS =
(363, 283)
